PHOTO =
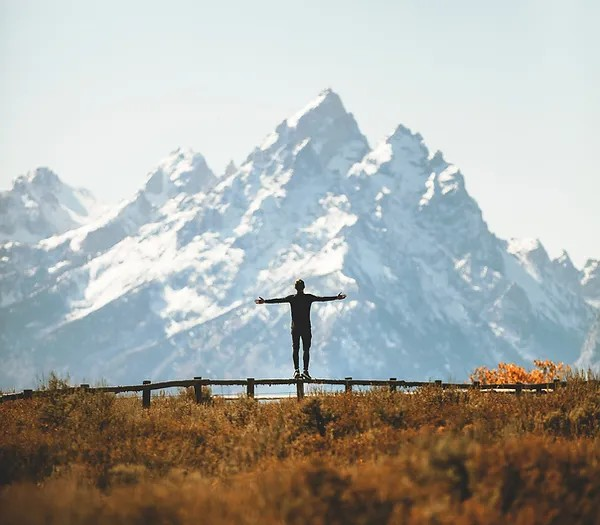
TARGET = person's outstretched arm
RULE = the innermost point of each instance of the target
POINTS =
(260, 300)
(337, 297)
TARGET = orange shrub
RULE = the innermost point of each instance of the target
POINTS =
(544, 372)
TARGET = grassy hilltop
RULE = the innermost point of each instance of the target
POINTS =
(444, 457)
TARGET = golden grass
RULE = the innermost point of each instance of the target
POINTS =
(446, 457)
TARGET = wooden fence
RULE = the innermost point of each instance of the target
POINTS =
(251, 383)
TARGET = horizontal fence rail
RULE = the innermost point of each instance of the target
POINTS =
(251, 383)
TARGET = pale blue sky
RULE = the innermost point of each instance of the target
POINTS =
(101, 91)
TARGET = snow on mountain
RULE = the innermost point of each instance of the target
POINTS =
(40, 205)
(107, 258)
(164, 285)
(590, 281)
(324, 124)
(182, 174)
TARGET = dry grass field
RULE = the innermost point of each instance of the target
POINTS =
(435, 456)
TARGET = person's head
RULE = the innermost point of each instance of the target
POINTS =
(299, 285)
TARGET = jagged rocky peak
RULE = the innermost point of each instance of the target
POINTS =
(183, 170)
(41, 183)
(330, 131)
(437, 158)
(531, 254)
(39, 177)
(397, 154)
(182, 174)
(42, 186)
(418, 178)
(566, 271)
(327, 105)
(564, 262)
(230, 169)
(412, 143)
(40, 205)
(533, 249)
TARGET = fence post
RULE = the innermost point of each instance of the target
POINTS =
(146, 395)
(250, 387)
(556, 384)
(348, 385)
(27, 393)
(519, 388)
(198, 388)
(300, 389)
(392, 386)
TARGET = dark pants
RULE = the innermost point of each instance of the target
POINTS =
(306, 336)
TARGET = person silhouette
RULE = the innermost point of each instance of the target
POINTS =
(300, 306)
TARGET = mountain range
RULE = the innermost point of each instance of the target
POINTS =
(162, 285)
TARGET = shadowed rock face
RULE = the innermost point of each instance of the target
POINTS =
(590, 351)
(162, 286)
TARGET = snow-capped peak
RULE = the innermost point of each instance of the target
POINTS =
(326, 104)
(524, 245)
(40, 205)
(402, 146)
(332, 132)
(532, 255)
(402, 160)
(39, 177)
(182, 171)
(530, 250)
